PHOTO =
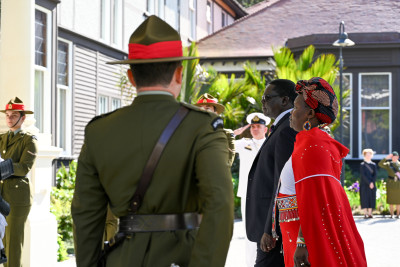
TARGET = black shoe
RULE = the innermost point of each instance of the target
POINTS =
(397, 216)
(365, 216)
(3, 257)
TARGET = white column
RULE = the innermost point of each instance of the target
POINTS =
(17, 54)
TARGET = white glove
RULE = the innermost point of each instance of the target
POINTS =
(3, 224)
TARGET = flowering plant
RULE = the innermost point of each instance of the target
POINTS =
(352, 195)
(355, 187)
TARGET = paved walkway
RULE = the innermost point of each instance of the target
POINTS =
(381, 240)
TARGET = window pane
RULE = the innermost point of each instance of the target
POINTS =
(62, 119)
(105, 20)
(375, 90)
(192, 18)
(208, 15)
(62, 63)
(150, 6)
(40, 38)
(38, 110)
(116, 103)
(375, 130)
(172, 13)
(117, 22)
(161, 8)
(103, 105)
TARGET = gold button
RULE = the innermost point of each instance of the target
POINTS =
(16, 186)
(4, 151)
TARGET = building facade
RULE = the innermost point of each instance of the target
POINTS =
(73, 41)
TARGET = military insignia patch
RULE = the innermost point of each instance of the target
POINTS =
(248, 147)
(217, 122)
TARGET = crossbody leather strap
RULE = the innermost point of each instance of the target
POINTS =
(155, 157)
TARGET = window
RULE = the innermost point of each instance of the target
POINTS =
(111, 21)
(115, 103)
(209, 17)
(117, 22)
(103, 105)
(375, 118)
(105, 20)
(151, 7)
(40, 38)
(172, 13)
(347, 121)
(42, 95)
(192, 18)
(161, 4)
(224, 19)
(64, 120)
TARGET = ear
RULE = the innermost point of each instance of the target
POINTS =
(311, 114)
(286, 101)
(178, 75)
(130, 77)
(265, 129)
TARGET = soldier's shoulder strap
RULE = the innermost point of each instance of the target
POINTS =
(100, 116)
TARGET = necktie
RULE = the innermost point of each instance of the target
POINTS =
(271, 129)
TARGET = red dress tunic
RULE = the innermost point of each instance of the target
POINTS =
(326, 219)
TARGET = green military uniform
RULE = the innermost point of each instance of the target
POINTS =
(231, 145)
(16, 190)
(393, 187)
(191, 176)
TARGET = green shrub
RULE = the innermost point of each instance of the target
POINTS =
(61, 198)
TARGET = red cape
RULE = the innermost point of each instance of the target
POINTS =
(326, 219)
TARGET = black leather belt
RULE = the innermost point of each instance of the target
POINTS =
(390, 177)
(136, 223)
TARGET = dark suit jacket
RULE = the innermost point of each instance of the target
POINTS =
(264, 176)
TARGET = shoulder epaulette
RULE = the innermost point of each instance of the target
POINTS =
(100, 116)
(193, 107)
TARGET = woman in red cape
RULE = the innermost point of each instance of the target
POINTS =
(328, 235)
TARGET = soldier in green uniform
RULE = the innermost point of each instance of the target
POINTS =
(393, 182)
(210, 103)
(21, 147)
(192, 176)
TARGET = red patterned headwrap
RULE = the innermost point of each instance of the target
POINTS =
(320, 96)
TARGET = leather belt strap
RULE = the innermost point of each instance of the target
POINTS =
(139, 223)
(155, 157)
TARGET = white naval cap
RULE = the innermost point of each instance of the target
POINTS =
(258, 118)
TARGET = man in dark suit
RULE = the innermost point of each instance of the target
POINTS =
(264, 174)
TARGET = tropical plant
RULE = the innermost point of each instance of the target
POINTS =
(305, 67)
(60, 199)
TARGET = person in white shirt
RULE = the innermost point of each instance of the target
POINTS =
(247, 149)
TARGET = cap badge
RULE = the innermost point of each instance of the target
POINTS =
(10, 106)
(204, 100)
(256, 118)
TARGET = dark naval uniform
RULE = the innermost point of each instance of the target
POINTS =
(16, 190)
(191, 176)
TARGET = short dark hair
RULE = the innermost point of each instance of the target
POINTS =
(149, 74)
(285, 87)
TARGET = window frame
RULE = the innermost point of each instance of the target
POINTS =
(361, 109)
(68, 104)
(44, 124)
